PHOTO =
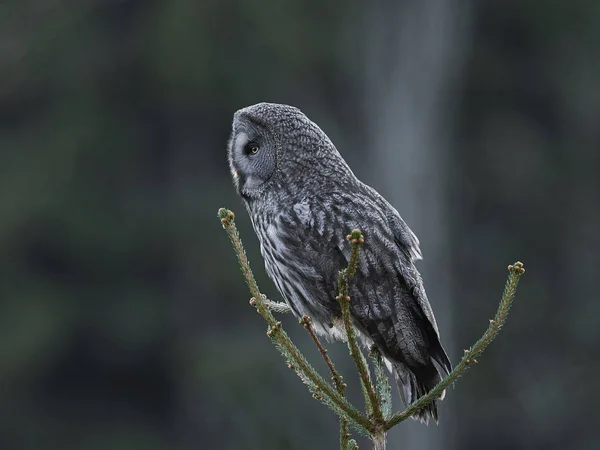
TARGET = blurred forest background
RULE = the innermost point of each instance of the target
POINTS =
(124, 319)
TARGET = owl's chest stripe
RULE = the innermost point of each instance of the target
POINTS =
(295, 279)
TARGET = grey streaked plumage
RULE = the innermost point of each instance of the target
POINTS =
(303, 199)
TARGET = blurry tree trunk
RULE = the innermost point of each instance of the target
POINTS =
(414, 52)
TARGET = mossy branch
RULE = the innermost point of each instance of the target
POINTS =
(377, 398)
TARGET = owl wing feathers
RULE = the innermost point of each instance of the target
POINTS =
(405, 238)
(389, 305)
(389, 301)
(303, 200)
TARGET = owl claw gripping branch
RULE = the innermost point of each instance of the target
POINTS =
(302, 197)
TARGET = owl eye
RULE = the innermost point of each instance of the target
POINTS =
(252, 148)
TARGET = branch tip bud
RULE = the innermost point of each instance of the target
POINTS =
(274, 328)
(305, 321)
(517, 268)
(356, 237)
(226, 216)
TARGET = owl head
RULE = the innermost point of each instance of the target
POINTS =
(274, 146)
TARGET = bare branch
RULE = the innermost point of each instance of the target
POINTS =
(335, 376)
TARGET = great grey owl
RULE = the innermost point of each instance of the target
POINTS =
(303, 200)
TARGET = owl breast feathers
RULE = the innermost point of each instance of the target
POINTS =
(303, 199)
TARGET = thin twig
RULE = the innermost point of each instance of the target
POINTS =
(384, 390)
(278, 307)
(276, 333)
(471, 355)
(306, 322)
(343, 298)
(350, 445)
(335, 376)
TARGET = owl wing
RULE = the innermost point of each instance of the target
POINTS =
(389, 303)
(408, 244)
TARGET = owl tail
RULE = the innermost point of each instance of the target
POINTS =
(412, 386)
